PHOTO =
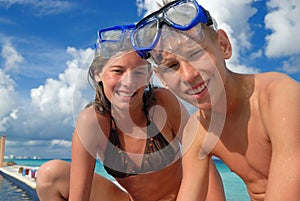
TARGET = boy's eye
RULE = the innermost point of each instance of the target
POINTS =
(195, 55)
(169, 67)
(173, 65)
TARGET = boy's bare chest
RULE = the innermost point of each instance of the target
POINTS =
(247, 151)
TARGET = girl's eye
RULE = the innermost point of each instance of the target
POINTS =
(117, 71)
(140, 71)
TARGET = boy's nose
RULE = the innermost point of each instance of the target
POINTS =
(188, 72)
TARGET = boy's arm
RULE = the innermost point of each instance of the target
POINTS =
(194, 184)
(283, 126)
(215, 186)
(196, 171)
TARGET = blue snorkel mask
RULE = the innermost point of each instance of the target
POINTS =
(180, 15)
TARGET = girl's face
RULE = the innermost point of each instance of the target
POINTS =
(124, 80)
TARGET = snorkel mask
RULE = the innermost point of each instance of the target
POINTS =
(113, 40)
(181, 15)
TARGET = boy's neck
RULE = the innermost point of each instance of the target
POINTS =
(239, 88)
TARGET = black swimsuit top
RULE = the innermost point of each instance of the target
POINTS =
(158, 154)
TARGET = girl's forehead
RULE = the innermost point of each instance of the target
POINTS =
(125, 60)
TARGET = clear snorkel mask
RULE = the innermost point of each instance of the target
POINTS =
(113, 40)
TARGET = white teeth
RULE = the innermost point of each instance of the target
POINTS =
(125, 94)
(198, 89)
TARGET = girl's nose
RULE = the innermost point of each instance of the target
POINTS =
(127, 79)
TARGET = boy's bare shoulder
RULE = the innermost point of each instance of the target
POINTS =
(273, 84)
(275, 90)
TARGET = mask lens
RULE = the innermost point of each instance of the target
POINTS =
(145, 35)
(111, 35)
(182, 14)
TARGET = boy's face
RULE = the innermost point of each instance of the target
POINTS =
(195, 71)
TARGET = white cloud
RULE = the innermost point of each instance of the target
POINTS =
(239, 68)
(11, 56)
(292, 65)
(6, 21)
(257, 54)
(283, 21)
(52, 110)
(61, 99)
(62, 143)
(41, 148)
(8, 104)
(41, 7)
(148, 6)
(38, 143)
(58, 97)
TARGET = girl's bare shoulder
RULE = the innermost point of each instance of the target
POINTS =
(165, 97)
(89, 117)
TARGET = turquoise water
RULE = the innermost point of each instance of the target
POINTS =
(235, 189)
(10, 192)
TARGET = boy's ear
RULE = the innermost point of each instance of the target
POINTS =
(224, 43)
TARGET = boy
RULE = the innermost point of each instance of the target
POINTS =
(251, 122)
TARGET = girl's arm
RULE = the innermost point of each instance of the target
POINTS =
(86, 138)
(82, 170)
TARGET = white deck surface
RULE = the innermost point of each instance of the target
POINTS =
(13, 171)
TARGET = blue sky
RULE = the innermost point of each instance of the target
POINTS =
(45, 46)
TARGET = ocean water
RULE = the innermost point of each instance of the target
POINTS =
(10, 192)
(235, 189)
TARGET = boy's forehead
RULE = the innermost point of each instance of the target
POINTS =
(177, 42)
(183, 50)
(172, 36)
